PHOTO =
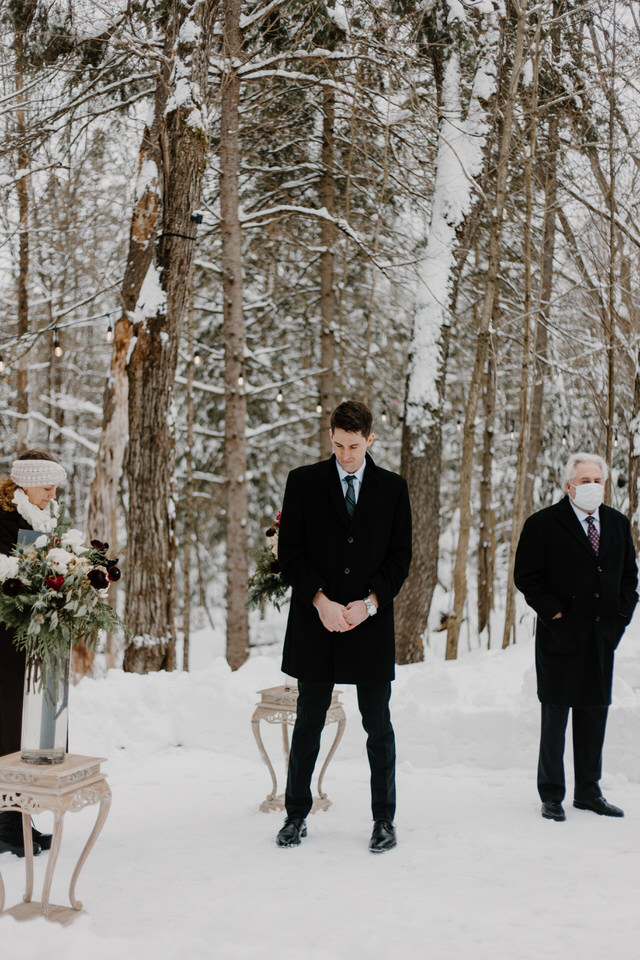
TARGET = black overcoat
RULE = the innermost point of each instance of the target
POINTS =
(558, 571)
(320, 547)
(11, 661)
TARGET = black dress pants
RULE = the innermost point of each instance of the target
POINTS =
(314, 699)
(589, 725)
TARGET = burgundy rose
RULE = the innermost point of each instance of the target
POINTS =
(98, 579)
(274, 566)
(54, 583)
(99, 545)
(271, 532)
(113, 572)
(12, 587)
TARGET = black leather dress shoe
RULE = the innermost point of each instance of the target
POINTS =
(293, 830)
(599, 805)
(383, 836)
(11, 836)
(552, 810)
(42, 839)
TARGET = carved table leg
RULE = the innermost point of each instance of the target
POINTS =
(53, 857)
(1, 894)
(103, 812)
(27, 837)
(342, 722)
(255, 724)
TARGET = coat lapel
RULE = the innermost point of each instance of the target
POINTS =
(605, 531)
(568, 518)
(335, 490)
(366, 497)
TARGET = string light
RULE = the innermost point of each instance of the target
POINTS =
(319, 407)
(57, 349)
(384, 416)
(458, 425)
(564, 436)
(615, 439)
(197, 359)
(109, 333)
(513, 429)
(2, 364)
(241, 376)
(279, 398)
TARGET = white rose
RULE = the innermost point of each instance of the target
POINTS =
(59, 559)
(41, 541)
(73, 540)
(8, 567)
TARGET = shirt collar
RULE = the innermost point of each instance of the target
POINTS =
(582, 514)
(358, 474)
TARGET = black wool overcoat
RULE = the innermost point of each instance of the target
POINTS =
(11, 661)
(320, 547)
(557, 571)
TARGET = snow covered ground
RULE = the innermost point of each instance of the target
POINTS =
(187, 866)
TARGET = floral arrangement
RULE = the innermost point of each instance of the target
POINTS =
(53, 593)
(267, 584)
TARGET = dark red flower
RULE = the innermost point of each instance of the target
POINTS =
(12, 587)
(278, 518)
(271, 532)
(54, 583)
(99, 545)
(98, 579)
(113, 572)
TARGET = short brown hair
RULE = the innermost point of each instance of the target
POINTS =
(352, 416)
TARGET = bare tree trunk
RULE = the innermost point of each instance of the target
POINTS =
(235, 439)
(487, 545)
(482, 339)
(327, 287)
(189, 513)
(22, 376)
(522, 459)
(103, 498)
(546, 284)
(422, 424)
(152, 365)
(611, 307)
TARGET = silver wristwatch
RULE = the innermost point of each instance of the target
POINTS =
(371, 607)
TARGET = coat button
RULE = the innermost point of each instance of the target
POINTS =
(597, 596)
(349, 539)
(347, 570)
(597, 619)
(599, 569)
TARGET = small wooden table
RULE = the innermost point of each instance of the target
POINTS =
(279, 705)
(30, 788)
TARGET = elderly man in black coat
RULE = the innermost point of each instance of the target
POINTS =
(345, 547)
(576, 566)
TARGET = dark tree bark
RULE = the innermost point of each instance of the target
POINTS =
(153, 360)
(327, 288)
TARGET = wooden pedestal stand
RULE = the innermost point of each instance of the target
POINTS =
(278, 705)
(29, 788)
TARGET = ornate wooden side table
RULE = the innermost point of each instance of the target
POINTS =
(278, 705)
(29, 788)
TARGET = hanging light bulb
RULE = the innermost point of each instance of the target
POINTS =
(57, 349)
(109, 334)
(319, 407)
(279, 398)
(458, 426)
(197, 359)
(384, 416)
(513, 430)
(241, 376)
(615, 439)
(2, 364)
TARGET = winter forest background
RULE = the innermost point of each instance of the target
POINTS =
(218, 219)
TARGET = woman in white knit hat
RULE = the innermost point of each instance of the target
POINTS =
(27, 502)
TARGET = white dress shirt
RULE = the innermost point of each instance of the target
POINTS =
(357, 483)
(582, 517)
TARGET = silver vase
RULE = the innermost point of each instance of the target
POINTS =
(45, 715)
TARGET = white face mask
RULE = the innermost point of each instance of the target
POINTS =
(589, 496)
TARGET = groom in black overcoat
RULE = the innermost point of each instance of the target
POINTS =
(576, 566)
(345, 548)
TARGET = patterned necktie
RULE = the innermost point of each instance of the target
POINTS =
(592, 533)
(350, 497)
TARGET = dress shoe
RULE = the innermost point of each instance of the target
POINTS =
(293, 830)
(383, 836)
(599, 805)
(11, 836)
(42, 839)
(552, 810)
